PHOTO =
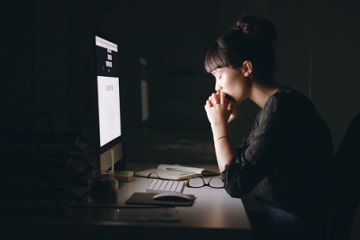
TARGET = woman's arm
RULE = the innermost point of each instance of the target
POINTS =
(219, 110)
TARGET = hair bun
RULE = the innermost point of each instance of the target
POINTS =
(257, 28)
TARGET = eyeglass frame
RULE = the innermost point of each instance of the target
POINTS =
(204, 183)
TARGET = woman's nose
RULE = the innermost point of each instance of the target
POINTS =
(217, 87)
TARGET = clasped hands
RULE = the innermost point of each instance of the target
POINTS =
(219, 108)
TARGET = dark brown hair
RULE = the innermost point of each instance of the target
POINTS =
(250, 38)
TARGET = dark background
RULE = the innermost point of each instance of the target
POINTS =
(48, 70)
(47, 50)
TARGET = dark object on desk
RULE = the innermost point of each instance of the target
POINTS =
(104, 190)
(146, 198)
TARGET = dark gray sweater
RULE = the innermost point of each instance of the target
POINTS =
(287, 158)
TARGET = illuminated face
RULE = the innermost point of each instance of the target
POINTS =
(232, 82)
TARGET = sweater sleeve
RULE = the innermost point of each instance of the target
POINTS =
(255, 156)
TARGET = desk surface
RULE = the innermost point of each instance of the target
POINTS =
(213, 210)
(214, 214)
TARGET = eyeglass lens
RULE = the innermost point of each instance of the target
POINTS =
(198, 182)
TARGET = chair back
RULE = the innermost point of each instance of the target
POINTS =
(346, 185)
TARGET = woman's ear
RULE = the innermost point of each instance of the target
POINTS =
(247, 68)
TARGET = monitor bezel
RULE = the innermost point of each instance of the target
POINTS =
(117, 144)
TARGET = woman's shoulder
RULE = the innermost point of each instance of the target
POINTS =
(288, 91)
(289, 101)
(289, 96)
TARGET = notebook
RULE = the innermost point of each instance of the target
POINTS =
(174, 172)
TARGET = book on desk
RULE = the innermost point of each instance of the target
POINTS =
(174, 172)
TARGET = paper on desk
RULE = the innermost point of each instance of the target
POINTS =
(173, 172)
(164, 174)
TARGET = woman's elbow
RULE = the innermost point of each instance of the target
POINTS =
(237, 192)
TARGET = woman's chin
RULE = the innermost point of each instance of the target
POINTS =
(230, 98)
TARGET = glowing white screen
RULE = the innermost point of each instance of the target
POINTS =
(109, 109)
(108, 90)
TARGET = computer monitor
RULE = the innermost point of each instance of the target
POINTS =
(109, 107)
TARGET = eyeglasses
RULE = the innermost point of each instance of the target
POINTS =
(199, 182)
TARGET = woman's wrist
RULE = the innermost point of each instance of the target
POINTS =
(220, 132)
(218, 137)
(222, 137)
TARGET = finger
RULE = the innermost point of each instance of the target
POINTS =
(232, 115)
(230, 106)
(210, 100)
(214, 98)
(222, 98)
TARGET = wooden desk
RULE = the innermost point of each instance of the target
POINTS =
(214, 215)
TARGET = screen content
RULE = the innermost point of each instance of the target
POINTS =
(108, 90)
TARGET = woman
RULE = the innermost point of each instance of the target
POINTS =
(285, 161)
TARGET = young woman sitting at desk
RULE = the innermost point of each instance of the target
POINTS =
(286, 160)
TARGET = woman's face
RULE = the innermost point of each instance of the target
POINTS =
(232, 82)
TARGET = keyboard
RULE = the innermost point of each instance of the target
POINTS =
(162, 185)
